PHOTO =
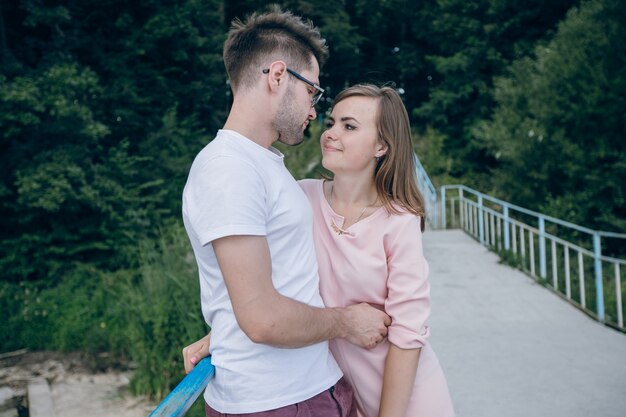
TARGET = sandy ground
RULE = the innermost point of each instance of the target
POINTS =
(76, 389)
(100, 395)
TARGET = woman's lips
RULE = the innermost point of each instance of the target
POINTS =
(327, 148)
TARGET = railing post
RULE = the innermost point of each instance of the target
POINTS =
(542, 247)
(597, 253)
(435, 211)
(481, 221)
(462, 207)
(507, 240)
(443, 207)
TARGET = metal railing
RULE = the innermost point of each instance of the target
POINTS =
(538, 243)
(429, 192)
(187, 391)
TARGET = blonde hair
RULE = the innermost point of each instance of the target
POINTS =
(394, 174)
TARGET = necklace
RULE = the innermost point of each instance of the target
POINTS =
(333, 225)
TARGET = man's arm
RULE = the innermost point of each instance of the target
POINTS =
(268, 317)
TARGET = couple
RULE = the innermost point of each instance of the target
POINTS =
(255, 233)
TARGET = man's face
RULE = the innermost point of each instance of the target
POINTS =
(295, 110)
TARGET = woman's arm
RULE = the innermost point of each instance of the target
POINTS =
(398, 380)
(408, 303)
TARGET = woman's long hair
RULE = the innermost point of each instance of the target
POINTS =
(394, 175)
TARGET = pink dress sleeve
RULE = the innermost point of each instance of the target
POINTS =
(408, 296)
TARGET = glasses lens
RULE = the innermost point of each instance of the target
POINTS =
(316, 98)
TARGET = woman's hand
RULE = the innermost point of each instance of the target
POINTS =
(196, 351)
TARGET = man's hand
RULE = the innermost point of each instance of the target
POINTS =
(270, 318)
(365, 325)
(196, 351)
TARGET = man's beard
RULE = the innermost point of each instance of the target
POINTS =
(289, 129)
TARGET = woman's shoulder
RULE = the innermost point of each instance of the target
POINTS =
(401, 212)
(309, 184)
(401, 218)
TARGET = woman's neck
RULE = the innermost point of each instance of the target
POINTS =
(357, 191)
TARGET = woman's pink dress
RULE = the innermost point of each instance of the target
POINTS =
(380, 262)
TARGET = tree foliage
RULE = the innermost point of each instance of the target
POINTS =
(102, 107)
(558, 131)
(472, 43)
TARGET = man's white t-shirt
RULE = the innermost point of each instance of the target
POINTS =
(237, 187)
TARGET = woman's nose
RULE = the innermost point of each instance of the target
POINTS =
(328, 134)
(331, 132)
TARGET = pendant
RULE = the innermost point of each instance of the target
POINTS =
(338, 229)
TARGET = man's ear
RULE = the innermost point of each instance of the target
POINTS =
(276, 73)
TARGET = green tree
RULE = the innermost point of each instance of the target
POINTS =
(558, 130)
(473, 42)
(103, 105)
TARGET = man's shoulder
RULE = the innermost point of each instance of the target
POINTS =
(220, 154)
(219, 146)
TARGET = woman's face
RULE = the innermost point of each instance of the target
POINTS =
(350, 142)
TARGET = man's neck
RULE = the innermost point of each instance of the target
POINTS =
(247, 119)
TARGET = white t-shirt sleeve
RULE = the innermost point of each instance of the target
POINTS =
(225, 196)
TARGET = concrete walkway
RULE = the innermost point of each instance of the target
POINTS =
(510, 347)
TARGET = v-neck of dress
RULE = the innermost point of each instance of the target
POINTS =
(339, 219)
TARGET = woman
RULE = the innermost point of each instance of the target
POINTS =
(368, 224)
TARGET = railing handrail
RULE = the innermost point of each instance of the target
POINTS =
(187, 391)
(537, 214)
(493, 226)
(425, 177)
(428, 191)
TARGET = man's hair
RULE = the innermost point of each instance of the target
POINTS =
(252, 45)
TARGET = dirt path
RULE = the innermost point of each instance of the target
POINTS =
(77, 390)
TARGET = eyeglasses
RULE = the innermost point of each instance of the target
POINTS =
(319, 90)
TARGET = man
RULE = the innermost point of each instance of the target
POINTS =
(250, 226)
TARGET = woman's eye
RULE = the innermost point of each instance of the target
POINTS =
(329, 125)
(349, 127)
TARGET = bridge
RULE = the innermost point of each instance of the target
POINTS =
(511, 347)
(527, 313)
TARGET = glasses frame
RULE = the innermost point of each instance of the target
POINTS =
(320, 91)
